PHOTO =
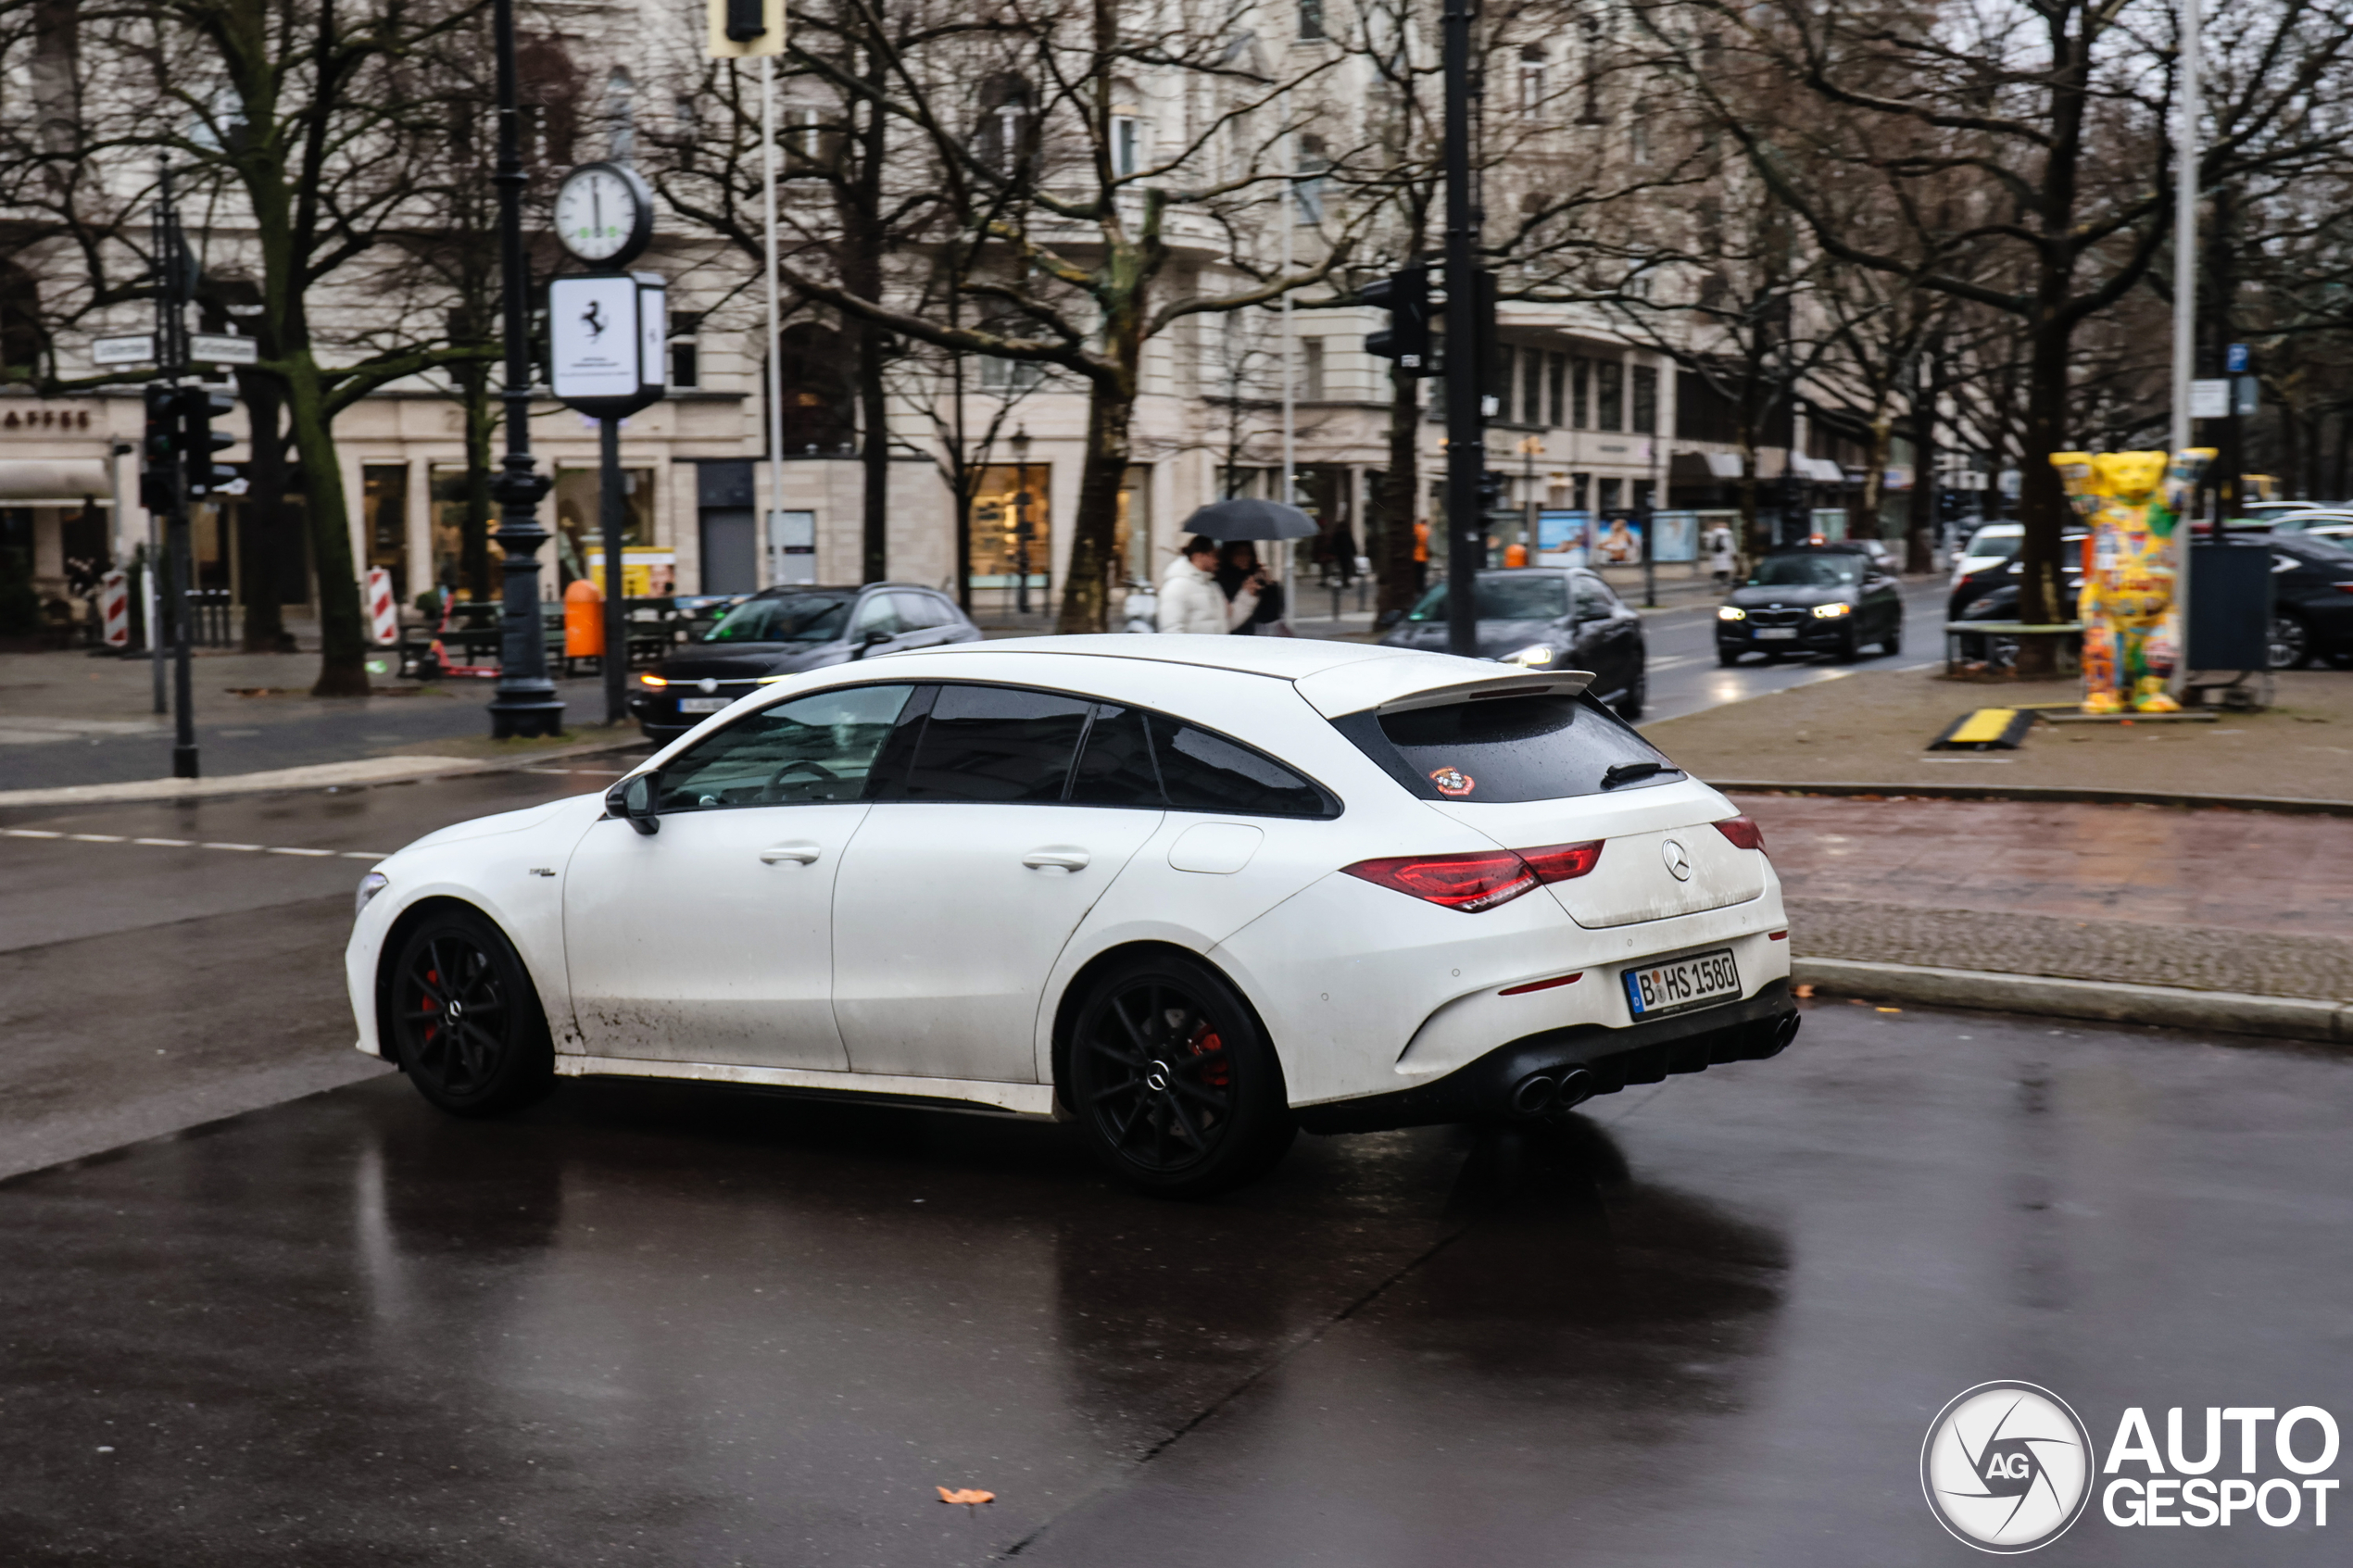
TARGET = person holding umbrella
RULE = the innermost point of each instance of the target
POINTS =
(1190, 599)
(1231, 520)
(1239, 572)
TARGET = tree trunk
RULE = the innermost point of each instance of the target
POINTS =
(873, 419)
(1398, 499)
(1920, 511)
(1094, 533)
(2042, 502)
(479, 413)
(1862, 519)
(261, 534)
(343, 642)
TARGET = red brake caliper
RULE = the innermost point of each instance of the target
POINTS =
(1207, 1042)
(424, 1004)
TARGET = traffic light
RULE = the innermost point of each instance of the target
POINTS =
(159, 453)
(1405, 295)
(199, 405)
(1493, 485)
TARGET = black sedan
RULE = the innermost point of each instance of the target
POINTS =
(783, 631)
(1811, 598)
(1545, 617)
(2311, 602)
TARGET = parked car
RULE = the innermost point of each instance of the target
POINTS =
(1546, 618)
(2312, 601)
(1811, 598)
(2322, 522)
(1990, 546)
(783, 631)
(1991, 593)
(1188, 893)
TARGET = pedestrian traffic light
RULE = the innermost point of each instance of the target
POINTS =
(199, 405)
(159, 453)
(739, 27)
(1493, 485)
(1405, 295)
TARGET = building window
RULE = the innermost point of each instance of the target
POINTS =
(1645, 400)
(1580, 409)
(1531, 80)
(1503, 372)
(1609, 394)
(804, 136)
(1531, 396)
(1127, 146)
(1312, 161)
(1311, 19)
(1638, 133)
(1001, 140)
(1592, 114)
(1311, 368)
(1559, 386)
(1610, 489)
(685, 365)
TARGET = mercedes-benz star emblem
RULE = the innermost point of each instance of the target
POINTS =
(1679, 861)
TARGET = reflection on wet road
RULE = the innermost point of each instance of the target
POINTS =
(1685, 676)
(1707, 1323)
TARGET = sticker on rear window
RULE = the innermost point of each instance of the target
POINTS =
(1453, 781)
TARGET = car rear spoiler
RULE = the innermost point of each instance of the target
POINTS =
(1399, 685)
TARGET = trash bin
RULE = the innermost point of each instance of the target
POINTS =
(583, 620)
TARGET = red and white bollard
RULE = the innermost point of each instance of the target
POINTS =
(113, 609)
(384, 615)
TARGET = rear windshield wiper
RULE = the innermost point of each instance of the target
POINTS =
(1627, 773)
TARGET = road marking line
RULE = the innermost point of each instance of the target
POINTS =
(31, 833)
(168, 843)
(97, 837)
(191, 844)
(253, 846)
(362, 855)
(299, 852)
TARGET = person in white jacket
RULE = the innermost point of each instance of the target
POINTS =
(1190, 599)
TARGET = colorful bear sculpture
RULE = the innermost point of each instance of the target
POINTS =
(2131, 502)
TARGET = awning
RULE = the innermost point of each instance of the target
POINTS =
(1703, 468)
(54, 481)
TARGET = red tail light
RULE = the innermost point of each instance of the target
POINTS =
(1481, 879)
(1469, 882)
(1743, 832)
(1558, 862)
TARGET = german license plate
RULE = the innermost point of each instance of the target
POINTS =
(703, 704)
(1777, 634)
(1653, 989)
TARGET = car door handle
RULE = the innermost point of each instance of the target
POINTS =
(1058, 858)
(803, 854)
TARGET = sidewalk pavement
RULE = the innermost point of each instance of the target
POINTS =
(2223, 911)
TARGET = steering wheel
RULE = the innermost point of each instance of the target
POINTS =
(800, 764)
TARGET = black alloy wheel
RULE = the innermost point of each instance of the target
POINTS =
(2290, 642)
(1630, 706)
(1172, 1082)
(465, 1019)
(1892, 643)
(1850, 646)
(1726, 657)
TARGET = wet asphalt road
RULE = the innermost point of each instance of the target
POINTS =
(1709, 1323)
(1685, 677)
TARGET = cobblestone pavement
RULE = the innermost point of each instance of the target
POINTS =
(2215, 901)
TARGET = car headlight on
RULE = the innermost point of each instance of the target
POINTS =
(370, 885)
(651, 680)
(1731, 612)
(1530, 656)
(1831, 612)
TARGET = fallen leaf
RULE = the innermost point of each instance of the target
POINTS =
(1803, 992)
(965, 1494)
(1889, 1009)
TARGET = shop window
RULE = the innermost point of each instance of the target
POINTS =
(1013, 526)
(383, 507)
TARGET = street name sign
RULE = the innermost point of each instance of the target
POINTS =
(137, 350)
(218, 348)
(2210, 399)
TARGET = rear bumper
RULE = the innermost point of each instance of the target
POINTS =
(1485, 1090)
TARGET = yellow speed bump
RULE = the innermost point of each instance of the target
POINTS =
(1988, 728)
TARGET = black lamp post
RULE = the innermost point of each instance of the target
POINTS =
(526, 703)
(1021, 519)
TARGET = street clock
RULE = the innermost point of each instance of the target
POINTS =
(604, 214)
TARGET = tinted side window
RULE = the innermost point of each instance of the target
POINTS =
(916, 613)
(995, 743)
(820, 748)
(877, 614)
(1202, 771)
(1115, 768)
(1594, 602)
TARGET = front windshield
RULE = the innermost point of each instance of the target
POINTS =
(1536, 597)
(1988, 542)
(798, 618)
(1807, 571)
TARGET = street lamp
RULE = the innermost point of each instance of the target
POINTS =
(1021, 519)
(526, 703)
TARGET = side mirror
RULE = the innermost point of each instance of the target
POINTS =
(1386, 619)
(871, 638)
(632, 800)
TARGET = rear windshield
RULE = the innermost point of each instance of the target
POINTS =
(1510, 748)
(800, 618)
(1533, 597)
(2003, 543)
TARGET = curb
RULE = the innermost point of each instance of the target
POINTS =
(2230, 1013)
(2085, 794)
(399, 768)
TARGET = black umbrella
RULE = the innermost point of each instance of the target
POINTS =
(1222, 520)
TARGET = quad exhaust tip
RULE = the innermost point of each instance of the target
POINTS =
(1539, 1092)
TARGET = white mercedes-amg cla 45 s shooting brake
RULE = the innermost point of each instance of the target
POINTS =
(1193, 894)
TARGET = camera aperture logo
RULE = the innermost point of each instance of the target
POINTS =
(2007, 1467)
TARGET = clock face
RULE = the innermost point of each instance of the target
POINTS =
(598, 212)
